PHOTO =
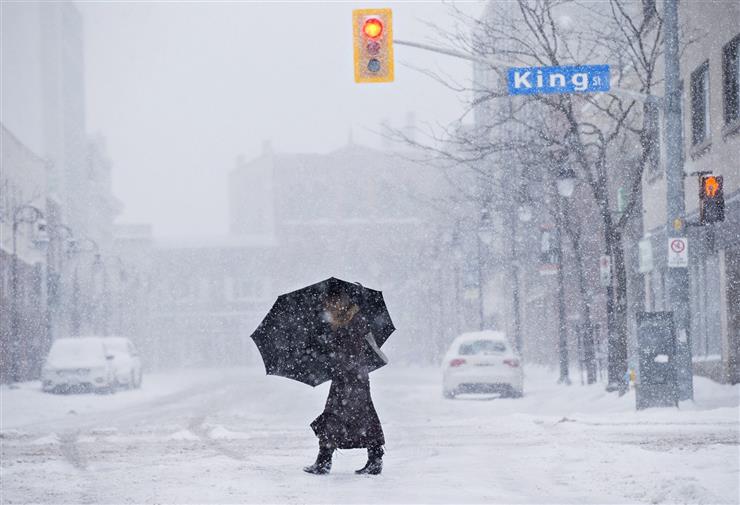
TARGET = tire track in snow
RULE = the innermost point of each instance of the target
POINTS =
(197, 428)
(71, 451)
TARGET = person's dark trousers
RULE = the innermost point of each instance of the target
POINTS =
(322, 465)
(374, 463)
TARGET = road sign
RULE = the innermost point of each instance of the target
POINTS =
(645, 246)
(605, 270)
(678, 252)
(547, 80)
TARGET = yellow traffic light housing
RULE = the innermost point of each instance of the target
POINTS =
(372, 31)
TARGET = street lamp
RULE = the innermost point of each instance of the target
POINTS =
(565, 182)
(457, 254)
(524, 212)
(102, 262)
(77, 246)
(485, 228)
(485, 237)
(457, 250)
(32, 215)
(57, 232)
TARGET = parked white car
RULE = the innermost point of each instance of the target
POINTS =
(126, 361)
(78, 363)
(482, 362)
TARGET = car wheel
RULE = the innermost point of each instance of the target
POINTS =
(448, 394)
(515, 393)
(111, 388)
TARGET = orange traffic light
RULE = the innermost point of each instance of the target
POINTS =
(711, 199)
(711, 186)
(373, 45)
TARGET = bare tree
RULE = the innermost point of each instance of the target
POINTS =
(607, 138)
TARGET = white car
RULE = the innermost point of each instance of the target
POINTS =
(126, 361)
(78, 363)
(482, 362)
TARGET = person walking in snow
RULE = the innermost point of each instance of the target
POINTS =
(349, 419)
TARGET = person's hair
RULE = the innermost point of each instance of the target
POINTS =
(338, 294)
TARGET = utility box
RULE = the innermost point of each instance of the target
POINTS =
(657, 384)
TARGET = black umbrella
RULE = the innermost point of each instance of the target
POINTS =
(289, 338)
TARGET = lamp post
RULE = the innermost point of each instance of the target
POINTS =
(485, 238)
(524, 214)
(21, 214)
(565, 182)
(79, 246)
(457, 254)
(103, 262)
(57, 232)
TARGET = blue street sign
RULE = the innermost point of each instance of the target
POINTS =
(547, 80)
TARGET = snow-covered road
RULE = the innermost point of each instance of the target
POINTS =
(238, 436)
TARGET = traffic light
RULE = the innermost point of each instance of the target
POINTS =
(711, 199)
(373, 45)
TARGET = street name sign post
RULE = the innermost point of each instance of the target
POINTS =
(550, 80)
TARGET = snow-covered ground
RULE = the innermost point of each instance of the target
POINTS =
(237, 436)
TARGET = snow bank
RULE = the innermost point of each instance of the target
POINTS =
(26, 404)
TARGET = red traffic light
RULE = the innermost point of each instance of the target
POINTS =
(372, 36)
(372, 28)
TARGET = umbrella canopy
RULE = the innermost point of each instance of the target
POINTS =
(289, 338)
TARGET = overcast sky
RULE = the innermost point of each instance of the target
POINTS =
(180, 89)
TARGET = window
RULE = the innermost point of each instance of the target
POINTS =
(482, 347)
(731, 77)
(700, 104)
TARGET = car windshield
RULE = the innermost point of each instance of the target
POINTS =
(482, 347)
(76, 350)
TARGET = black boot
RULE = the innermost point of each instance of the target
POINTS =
(374, 463)
(323, 461)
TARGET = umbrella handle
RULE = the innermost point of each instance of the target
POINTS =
(370, 338)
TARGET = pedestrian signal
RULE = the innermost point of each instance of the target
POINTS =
(373, 45)
(711, 199)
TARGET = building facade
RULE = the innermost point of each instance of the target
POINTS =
(50, 163)
(206, 297)
(710, 71)
(357, 214)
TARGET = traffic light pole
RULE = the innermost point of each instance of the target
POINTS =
(677, 279)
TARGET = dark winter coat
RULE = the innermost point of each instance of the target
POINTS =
(349, 420)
